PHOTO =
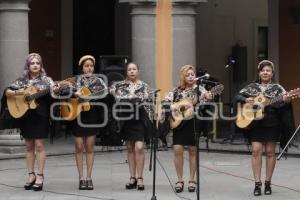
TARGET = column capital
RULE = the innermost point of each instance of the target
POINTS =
(141, 7)
(14, 5)
(154, 1)
(138, 1)
(186, 7)
(147, 7)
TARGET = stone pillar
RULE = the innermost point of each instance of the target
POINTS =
(143, 35)
(184, 35)
(14, 42)
(14, 47)
(143, 39)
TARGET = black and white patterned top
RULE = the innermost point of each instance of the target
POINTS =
(127, 90)
(95, 84)
(41, 82)
(177, 94)
(255, 89)
(135, 93)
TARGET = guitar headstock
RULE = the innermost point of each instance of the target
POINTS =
(293, 94)
(218, 89)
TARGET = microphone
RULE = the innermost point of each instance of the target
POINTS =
(231, 62)
(202, 77)
(208, 82)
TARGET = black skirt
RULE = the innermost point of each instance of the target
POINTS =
(133, 130)
(264, 134)
(34, 126)
(91, 118)
(184, 134)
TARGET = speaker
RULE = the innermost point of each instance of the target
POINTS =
(239, 54)
(113, 66)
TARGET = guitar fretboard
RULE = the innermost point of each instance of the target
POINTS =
(38, 94)
(275, 99)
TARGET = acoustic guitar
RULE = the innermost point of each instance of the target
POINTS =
(71, 108)
(18, 105)
(248, 112)
(184, 109)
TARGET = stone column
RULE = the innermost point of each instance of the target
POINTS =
(14, 42)
(143, 39)
(14, 47)
(184, 34)
(143, 35)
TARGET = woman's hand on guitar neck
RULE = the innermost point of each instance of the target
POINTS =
(10, 93)
(208, 95)
(205, 96)
(78, 93)
(287, 97)
(61, 85)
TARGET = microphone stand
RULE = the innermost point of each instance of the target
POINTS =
(288, 143)
(230, 138)
(153, 150)
(197, 136)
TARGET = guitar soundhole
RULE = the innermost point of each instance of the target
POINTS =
(259, 100)
(182, 109)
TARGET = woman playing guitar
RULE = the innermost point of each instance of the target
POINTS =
(266, 131)
(85, 126)
(34, 124)
(183, 135)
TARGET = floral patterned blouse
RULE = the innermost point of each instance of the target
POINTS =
(177, 94)
(255, 89)
(134, 92)
(126, 90)
(41, 82)
(95, 84)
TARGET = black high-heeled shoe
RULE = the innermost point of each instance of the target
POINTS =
(140, 186)
(28, 185)
(268, 189)
(131, 185)
(257, 189)
(82, 185)
(38, 186)
(192, 186)
(89, 184)
(179, 186)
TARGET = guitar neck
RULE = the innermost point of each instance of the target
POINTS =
(38, 94)
(275, 100)
(88, 97)
(217, 89)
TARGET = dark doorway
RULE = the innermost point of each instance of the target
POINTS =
(93, 29)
